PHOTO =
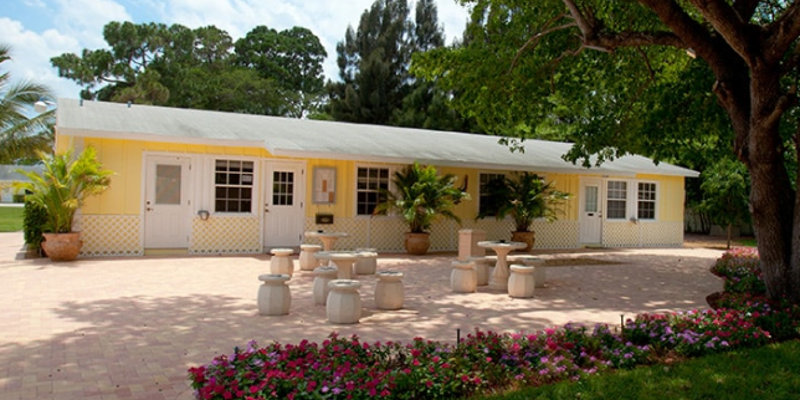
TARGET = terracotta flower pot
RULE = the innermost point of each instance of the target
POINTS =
(62, 246)
(524, 237)
(417, 243)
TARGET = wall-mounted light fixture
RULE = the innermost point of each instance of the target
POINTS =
(203, 214)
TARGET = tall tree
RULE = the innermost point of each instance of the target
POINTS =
(376, 86)
(190, 68)
(22, 135)
(373, 65)
(750, 50)
(293, 58)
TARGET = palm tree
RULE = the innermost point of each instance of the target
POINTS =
(22, 135)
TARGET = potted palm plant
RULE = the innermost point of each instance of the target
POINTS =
(60, 189)
(421, 196)
(525, 196)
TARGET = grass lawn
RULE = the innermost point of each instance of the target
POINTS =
(770, 372)
(10, 219)
(749, 242)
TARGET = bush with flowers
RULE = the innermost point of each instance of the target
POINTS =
(485, 361)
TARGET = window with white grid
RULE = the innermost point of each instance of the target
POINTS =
(646, 205)
(616, 199)
(233, 186)
(370, 183)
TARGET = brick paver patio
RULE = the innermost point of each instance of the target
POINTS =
(129, 328)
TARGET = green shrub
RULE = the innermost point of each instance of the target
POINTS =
(34, 218)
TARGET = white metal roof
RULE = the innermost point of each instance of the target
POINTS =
(9, 172)
(331, 140)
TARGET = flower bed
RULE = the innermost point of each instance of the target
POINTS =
(346, 368)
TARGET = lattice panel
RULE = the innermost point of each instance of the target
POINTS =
(386, 234)
(628, 234)
(662, 234)
(556, 234)
(444, 235)
(225, 235)
(110, 235)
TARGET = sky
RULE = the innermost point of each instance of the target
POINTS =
(37, 30)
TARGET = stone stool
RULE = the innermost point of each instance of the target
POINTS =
(389, 290)
(322, 275)
(539, 274)
(463, 278)
(367, 261)
(281, 262)
(521, 282)
(307, 260)
(482, 265)
(344, 304)
(274, 297)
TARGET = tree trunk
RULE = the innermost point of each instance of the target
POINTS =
(730, 227)
(772, 197)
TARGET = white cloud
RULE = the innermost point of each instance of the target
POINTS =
(31, 53)
(84, 19)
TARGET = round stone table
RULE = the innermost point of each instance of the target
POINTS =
(343, 260)
(499, 278)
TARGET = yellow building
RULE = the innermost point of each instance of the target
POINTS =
(207, 182)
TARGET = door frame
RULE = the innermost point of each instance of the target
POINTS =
(587, 181)
(190, 194)
(268, 165)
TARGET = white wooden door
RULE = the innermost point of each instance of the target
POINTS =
(591, 215)
(284, 197)
(167, 207)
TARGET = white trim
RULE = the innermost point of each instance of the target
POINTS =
(152, 137)
(211, 192)
(631, 200)
(301, 183)
(392, 169)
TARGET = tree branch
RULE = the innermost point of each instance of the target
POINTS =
(726, 21)
(782, 33)
(535, 38)
(745, 8)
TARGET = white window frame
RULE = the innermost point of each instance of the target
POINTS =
(608, 198)
(391, 169)
(212, 162)
(631, 200)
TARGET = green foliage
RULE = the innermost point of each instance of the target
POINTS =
(421, 196)
(11, 219)
(526, 197)
(267, 72)
(737, 375)
(63, 185)
(34, 219)
(514, 81)
(22, 135)
(373, 60)
(725, 186)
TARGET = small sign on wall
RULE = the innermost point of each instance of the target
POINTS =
(323, 219)
(324, 185)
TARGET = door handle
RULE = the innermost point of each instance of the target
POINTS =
(149, 209)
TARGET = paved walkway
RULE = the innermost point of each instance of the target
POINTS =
(129, 328)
